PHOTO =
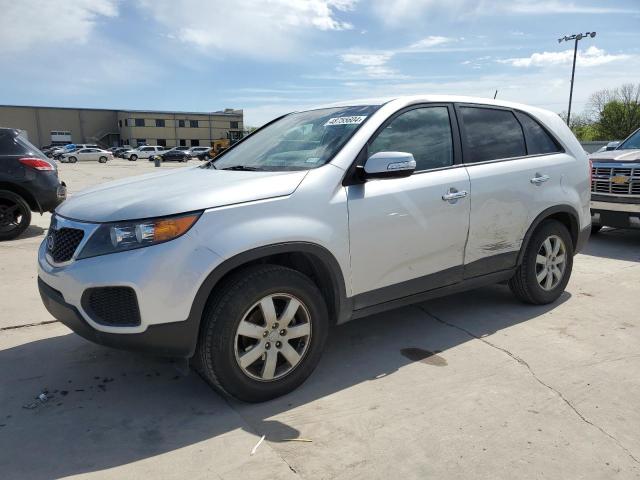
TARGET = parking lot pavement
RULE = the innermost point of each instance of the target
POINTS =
(471, 386)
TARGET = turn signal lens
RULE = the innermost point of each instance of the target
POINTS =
(174, 227)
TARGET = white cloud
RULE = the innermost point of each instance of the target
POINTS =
(397, 13)
(374, 65)
(591, 57)
(25, 24)
(431, 41)
(366, 59)
(255, 28)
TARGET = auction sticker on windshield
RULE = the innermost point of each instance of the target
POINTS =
(353, 120)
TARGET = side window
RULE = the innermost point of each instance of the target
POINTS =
(424, 132)
(538, 139)
(491, 134)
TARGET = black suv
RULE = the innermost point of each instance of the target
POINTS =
(28, 182)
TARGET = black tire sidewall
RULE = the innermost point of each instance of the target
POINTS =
(26, 217)
(548, 228)
(222, 318)
(102, 160)
(73, 159)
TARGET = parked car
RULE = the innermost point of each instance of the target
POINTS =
(28, 182)
(608, 147)
(72, 147)
(173, 155)
(184, 149)
(615, 185)
(86, 155)
(317, 218)
(200, 152)
(146, 151)
(118, 152)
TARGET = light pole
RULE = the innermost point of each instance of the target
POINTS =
(577, 37)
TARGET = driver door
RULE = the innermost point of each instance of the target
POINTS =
(405, 238)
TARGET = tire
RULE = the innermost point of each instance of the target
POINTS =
(73, 159)
(133, 158)
(595, 229)
(102, 160)
(221, 346)
(15, 215)
(525, 284)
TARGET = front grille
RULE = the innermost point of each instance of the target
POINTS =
(115, 306)
(61, 244)
(603, 180)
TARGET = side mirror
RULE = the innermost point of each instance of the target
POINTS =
(389, 165)
(612, 146)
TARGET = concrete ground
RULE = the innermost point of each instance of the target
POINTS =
(471, 386)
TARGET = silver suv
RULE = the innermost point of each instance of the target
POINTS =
(322, 216)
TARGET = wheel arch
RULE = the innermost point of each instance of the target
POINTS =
(310, 259)
(565, 214)
(33, 203)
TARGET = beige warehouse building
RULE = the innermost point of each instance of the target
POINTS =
(46, 125)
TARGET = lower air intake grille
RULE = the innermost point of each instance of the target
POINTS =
(114, 306)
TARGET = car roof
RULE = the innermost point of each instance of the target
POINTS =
(415, 99)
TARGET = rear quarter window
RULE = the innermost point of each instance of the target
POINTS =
(539, 140)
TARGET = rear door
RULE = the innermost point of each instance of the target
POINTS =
(506, 185)
(405, 235)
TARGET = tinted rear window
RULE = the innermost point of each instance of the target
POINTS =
(17, 145)
(539, 141)
(491, 134)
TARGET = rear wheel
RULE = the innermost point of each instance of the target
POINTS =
(15, 215)
(546, 265)
(102, 160)
(262, 333)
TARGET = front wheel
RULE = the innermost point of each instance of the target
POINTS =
(73, 159)
(133, 158)
(102, 160)
(15, 215)
(546, 265)
(263, 333)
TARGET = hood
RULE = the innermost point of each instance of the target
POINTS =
(616, 156)
(176, 191)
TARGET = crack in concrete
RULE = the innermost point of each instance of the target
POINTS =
(533, 374)
(37, 324)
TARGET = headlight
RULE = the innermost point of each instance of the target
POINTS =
(122, 236)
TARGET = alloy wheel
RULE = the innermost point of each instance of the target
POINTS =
(273, 337)
(551, 262)
(11, 215)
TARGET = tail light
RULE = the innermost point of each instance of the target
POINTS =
(36, 164)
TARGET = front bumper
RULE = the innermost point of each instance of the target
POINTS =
(615, 213)
(177, 339)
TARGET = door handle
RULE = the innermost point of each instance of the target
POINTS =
(452, 195)
(539, 179)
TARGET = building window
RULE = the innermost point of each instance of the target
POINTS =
(141, 141)
(120, 123)
(234, 125)
(193, 123)
(159, 122)
(139, 122)
(181, 123)
(195, 143)
(183, 142)
(162, 142)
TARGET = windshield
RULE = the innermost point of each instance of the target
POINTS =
(631, 143)
(298, 141)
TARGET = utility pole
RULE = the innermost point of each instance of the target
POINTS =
(577, 38)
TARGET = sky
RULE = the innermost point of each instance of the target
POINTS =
(270, 57)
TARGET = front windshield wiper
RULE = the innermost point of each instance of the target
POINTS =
(242, 168)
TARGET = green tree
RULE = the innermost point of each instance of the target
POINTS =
(616, 113)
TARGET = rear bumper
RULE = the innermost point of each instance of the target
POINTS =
(170, 339)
